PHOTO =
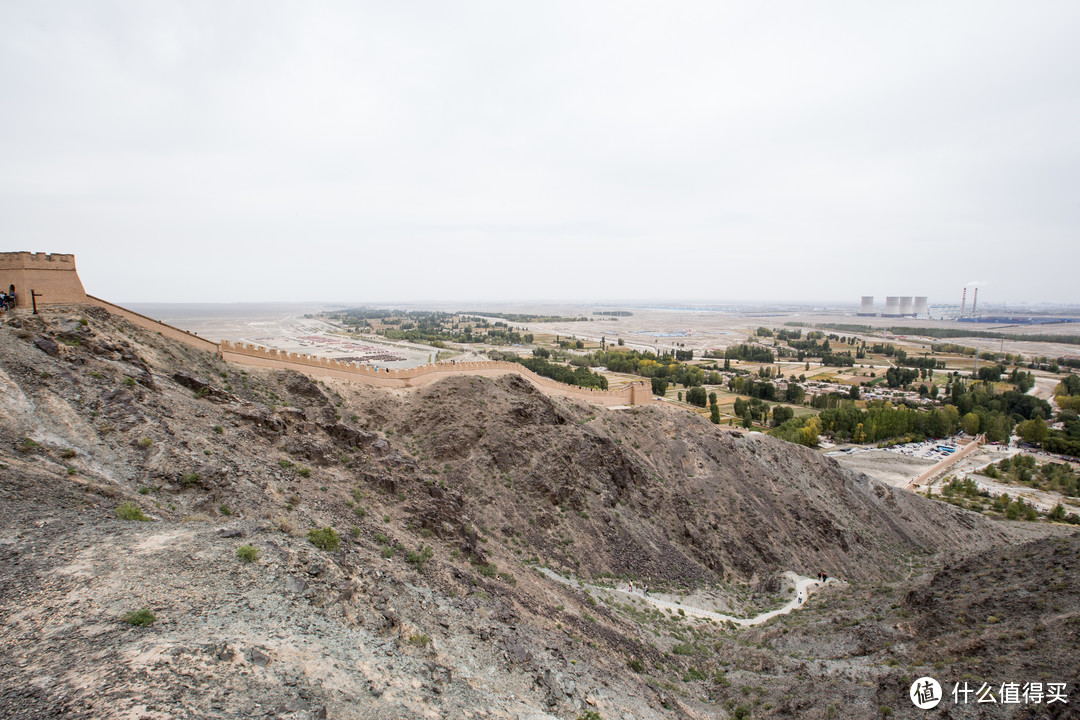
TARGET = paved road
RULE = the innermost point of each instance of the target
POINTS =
(804, 587)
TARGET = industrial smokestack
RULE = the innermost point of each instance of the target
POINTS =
(963, 302)
(907, 305)
(892, 306)
(921, 308)
(974, 302)
(867, 305)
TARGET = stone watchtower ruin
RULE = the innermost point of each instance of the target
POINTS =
(51, 276)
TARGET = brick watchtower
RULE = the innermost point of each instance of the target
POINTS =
(51, 275)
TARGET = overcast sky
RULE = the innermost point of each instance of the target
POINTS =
(406, 151)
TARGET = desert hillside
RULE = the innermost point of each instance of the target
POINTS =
(474, 526)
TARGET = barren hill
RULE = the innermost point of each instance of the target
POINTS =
(444, 500)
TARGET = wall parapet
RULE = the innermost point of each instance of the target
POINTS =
(46, 261)
(149, 323)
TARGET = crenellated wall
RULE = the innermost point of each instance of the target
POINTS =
(637, 393)
(173, 333)
(54, 277)
(51, 275)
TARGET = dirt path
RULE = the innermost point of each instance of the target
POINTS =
(804, 587)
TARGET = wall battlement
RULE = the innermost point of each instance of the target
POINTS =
(51, 261)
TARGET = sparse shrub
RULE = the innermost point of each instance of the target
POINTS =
(381, 538)
(130, 511)
(387, 551)
(589, 715)
(420, 557)
(68, 453)
(324, 539)
(189, 479)
(419, 640)
(72, 471)
(360, 512)
(693, 674)
(224, 509)
(304, 472)
(508, 578)
(28, 445)
(129, 381)
(247, 552)
(140, 618)
(202, 392)
(635, 665)
(145, 442)
(219, 430)
(355, 531)
(284, 464)
(487, 569)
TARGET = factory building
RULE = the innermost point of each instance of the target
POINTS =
(896, 306)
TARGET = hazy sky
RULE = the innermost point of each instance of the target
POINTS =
(402, 151)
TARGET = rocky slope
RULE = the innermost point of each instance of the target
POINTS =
(444, 499)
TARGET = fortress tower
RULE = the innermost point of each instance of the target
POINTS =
(51, 275)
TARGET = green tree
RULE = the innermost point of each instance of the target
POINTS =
(1033, 431)
(781, 415)
(970, 423)
(714, 413)
(696, 396)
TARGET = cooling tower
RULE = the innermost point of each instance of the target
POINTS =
(975, 302)
(867, 308)
(963, 302)
(892, 306)
(921, 308)
(907, 305)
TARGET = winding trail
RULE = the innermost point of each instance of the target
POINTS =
(804, 587)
